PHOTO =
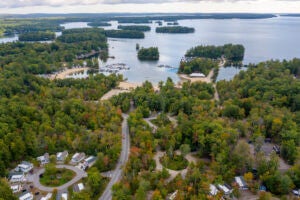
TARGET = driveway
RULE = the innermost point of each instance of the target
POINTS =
(35, 179)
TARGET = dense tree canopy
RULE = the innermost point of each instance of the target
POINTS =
(151, 53)
(175, 29)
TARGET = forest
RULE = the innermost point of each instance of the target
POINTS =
(135, 28)
(129, 34)
(201, 65)
(97, 24)
(174, 29)
(150, 53)
(234, 54)
(227, 137)
(44, 58)
(36, 36)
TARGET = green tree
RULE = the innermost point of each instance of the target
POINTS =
(5, 191)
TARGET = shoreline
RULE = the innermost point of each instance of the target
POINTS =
(66, 72)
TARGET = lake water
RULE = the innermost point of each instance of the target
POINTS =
(264, 39)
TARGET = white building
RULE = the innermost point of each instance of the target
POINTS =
(61, 156)
(197, 75)
(16, 188)
(47, 197)
(25, 167)
(241, 183)
(44, 159)
(64, 196)
(78, 157)
(26, 196)
(89, 161)
(213, 190)
(78, 187)
(17, 178)
(225, 189)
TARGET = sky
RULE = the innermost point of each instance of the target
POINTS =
(144, 6)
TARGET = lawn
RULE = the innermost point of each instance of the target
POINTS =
(176, 163)
(57, 178)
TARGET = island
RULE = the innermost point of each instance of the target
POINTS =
(98, 24)
(151, 53)
(129, 34)
(135, 28)
(233, 54)
(36, 36)
(174, 29)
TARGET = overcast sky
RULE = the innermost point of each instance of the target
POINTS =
(98, 6)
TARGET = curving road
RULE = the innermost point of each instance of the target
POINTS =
(36, 179)
(116, 175)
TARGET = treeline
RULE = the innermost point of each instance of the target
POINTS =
(34, 27)
(124, 34)
(203, 65)
(97, 24)
(135, 28)
(174, 29)
(42, 58)
(37, 36)
(151, 53)
(234, 54)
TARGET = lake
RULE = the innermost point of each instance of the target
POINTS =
(264, 39)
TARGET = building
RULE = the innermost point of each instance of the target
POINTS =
(61, 156)
(25, 167)
(197, 75)
(78, 187)
(44, 159)
(173, 195)
(47, 197)
(16, 188)
(213, 191)
(241, 182)
(16, 177)
(64, 196)
(26, 196)
(88, 162)
(226, 189)
(78, 157)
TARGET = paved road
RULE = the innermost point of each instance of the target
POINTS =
(116, 175)
(35, 178)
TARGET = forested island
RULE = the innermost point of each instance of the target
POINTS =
(150, 53)
(36, 36)
(174, 29)
(135, 28)
(130, 34)
(200, 65)
(234, 54)
(98, 24)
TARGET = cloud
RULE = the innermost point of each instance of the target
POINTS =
(59, 3)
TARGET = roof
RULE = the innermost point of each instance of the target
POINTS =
(240, 181)
(213, 190)
(15, 187)
(80, 186)
(64, 196)
(197, 74)
(25, 196)
(47, 197)
(17, 176)
(224, 188)
(90, 159)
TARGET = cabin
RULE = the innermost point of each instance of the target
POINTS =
(64, 196)
(197, 75)
(26, 196)
(88, 162)
(16, 188)
(173, 195)
(24, 167)
(61, 156)
(213, 191)
(78, 157)
(16, 177)
(47, 197)
(44, 159)
(226, 189)
(78, 187)
(241, 183)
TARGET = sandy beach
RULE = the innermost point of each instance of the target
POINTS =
(65, 73)
(207, 79)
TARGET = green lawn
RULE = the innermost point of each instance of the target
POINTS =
(177, 163)
(59, 178)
